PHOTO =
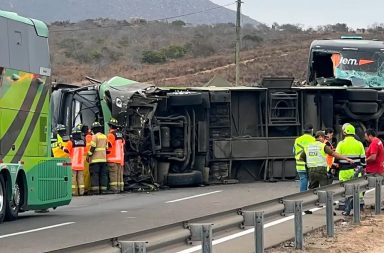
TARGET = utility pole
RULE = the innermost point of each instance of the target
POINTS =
(238, 41)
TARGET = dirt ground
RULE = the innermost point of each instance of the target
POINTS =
(365, 238)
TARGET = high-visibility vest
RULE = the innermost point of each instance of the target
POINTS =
(88, 140)
(58, 146)
(353, 149)
(76, 150)
(330, 159)
(116, 149)
(315, 155)
(100, 145)
(299, 146)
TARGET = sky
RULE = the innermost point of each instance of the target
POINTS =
(310, 13)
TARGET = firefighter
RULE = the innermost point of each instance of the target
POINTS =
(76, 149)
(315, 155)
(353, 149)
(298, 148)
(59, 141)
(115, 156)
(97, 157)
(87, 177)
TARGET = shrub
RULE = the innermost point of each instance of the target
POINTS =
(153, 57)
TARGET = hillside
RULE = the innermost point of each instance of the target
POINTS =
(180, 55)
(76, 10)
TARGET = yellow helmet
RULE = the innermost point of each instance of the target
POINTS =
(350, 130)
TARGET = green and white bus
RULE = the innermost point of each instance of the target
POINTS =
(30, 179)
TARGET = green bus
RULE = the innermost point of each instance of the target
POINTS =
(30, 179)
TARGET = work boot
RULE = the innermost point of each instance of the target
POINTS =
(107, 192)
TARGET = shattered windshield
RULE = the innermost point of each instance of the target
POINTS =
(361, 68)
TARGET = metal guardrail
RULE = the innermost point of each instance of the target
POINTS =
(201, 229)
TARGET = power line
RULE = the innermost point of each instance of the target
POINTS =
(154, 20)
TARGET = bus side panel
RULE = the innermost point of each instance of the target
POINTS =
(49, 184)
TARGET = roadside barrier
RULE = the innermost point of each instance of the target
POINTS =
(202, 229)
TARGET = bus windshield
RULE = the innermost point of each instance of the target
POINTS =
(361, 68)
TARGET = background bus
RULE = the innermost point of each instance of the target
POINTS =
(29, 178)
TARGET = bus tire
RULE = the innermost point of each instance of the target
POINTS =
(12, 206)
(3, 198)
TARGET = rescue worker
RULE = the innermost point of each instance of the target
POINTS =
(60, 139)
(87, 177)
(298, 148)
(374, 154)
(315, 156)
(353, 149)
(76, 149)
(97, 157)
(115, 157)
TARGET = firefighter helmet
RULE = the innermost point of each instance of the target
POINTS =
(77, 129)
(96, 125)
(113, 122)
(60, 128)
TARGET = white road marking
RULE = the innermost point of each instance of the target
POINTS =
(37, 229)
(245, 232)
(192, 197)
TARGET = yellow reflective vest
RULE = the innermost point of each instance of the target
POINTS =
(58, 146)
(351, 148)
(99, 144)
(298, 148)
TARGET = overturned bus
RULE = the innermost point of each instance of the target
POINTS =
(191, 136)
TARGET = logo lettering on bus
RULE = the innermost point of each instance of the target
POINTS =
(355, 62)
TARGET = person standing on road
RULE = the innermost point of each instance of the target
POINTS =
(353, 149)
(76, 149)
(298, 148)
(315, 155)
(87, 176)
(115, 157)
(374, 154)
(97, 157)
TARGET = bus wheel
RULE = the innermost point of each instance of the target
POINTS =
(2, 198)
(13, 204)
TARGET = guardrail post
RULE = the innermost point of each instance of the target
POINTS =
(326, 197)
(356, 204)
(256, 219)
(133, 247)
(296, 207)
(203, 233)
(299, 225)
(379, 181)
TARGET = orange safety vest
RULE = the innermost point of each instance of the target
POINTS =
(116, 147)
(330, 158)
(77, 153)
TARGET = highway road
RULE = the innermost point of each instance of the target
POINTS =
(92, 218)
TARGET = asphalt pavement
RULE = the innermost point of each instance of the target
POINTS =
(92, 218)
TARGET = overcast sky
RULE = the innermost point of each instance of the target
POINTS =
(355, 13)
